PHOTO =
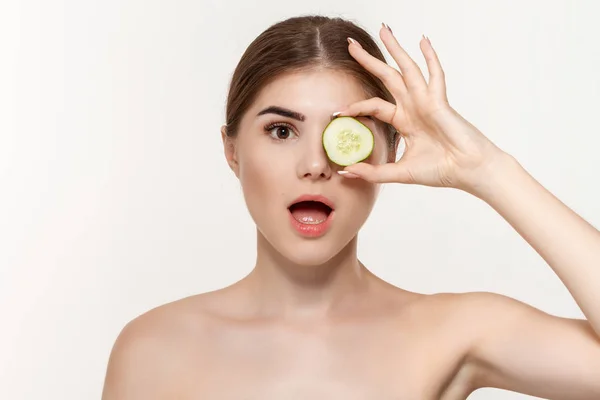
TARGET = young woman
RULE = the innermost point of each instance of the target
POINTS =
(311, 321)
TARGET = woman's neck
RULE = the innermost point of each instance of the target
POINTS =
(282, 288)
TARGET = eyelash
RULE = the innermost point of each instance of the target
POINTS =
(270, 127)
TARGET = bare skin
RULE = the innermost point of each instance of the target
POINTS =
(310, 321)
(215, 346)
(385, 343)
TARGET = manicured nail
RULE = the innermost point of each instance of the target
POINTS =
(426, 38)
(350, 40)
(335, 114)
(348, 174)
(386, 26)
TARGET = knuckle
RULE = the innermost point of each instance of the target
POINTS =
(391, 75)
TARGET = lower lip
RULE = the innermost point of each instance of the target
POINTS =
(312, 230)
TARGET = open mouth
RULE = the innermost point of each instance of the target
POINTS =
(311, 212)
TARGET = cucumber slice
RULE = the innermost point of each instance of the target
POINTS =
(347, 141)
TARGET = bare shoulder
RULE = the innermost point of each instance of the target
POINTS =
(479, 307)
(481, 317)
(480, 311)
(461, 324)
(150, 350)
(518, 347)
(487, 315)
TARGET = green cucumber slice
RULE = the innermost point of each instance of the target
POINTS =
(347, 141)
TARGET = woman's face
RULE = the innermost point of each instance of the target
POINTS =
(279, 158)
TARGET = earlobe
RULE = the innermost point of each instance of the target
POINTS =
(229, 150)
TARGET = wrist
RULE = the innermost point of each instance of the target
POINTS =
(493, 176)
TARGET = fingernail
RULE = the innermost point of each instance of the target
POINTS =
(426, 38)
(386, 26)
(348, 174)
(350, 40)
(335, 114)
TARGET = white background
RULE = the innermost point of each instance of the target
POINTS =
(115, 196)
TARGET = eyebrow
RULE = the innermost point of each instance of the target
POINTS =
(283, 112)
(292, 114)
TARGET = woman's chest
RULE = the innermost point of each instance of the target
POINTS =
(340, 367)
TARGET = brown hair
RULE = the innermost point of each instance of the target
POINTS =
(296, 44)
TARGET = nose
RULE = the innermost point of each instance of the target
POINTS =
(313, 162)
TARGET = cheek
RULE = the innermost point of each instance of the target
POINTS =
(368, 194)
(360, 198)
(263, 178)
(380, 151)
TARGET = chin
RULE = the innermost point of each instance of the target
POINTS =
(309, 256)
(309, 252)
(308, 244)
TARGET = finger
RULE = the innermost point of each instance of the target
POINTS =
(413, 77)
(375, 106)
(390, 76)
(437, 79)
(381, 173)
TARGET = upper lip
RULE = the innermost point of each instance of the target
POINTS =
(313, 197)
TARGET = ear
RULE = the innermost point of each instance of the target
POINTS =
(229, 149)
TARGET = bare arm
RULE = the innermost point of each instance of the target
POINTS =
(519, 348)
(569, 244)
(523, 349)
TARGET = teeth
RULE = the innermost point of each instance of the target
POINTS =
(310, 220)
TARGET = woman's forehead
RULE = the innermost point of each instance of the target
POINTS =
(307, 91)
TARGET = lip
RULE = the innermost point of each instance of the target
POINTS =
(313, 230)
(314, 197)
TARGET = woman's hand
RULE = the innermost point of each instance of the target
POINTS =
(442, 148)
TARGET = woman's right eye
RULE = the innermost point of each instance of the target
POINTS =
(280, 131)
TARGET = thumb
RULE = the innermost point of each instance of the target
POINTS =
(382, 173)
